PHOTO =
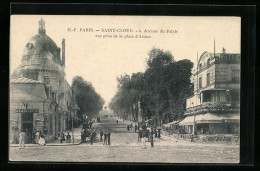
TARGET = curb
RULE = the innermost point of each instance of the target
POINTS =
(34, 145)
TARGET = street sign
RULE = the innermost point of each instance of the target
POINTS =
(27, 110)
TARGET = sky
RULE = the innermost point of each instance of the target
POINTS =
(101, 60)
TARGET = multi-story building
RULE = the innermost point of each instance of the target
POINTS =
(214, 107)
(40, 96)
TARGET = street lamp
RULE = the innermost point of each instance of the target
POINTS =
(76, 108)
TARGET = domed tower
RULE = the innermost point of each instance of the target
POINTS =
(42, 61)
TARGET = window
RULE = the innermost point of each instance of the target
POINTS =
(208, 62)
(46, 62)
(235, 75)
(27, 117)
(200, 66)
(47, 80)
(208, 78)
(47, 92)
(200, 82)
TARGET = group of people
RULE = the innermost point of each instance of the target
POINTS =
(88, 133)
(34, 137)
(106, 135)
(62, 137)
(132, 125)
(143, 133)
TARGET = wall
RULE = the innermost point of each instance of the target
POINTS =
(193, 101)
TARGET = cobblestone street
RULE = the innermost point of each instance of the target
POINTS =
(125, 148)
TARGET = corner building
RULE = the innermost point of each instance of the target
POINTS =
(40, 96)
(214, 106)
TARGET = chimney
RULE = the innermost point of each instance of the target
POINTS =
(63, 52)
(224, 50)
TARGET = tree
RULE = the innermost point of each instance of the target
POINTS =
(161, 90)
(88, 100)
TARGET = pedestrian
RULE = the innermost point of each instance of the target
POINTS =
(151, 138)
(82, 135)
(139, 135)
(33, 136)
(42, 139)
(201, 131)
(92, 138)
(62, 136)
(101, 135)
(68, 138)
(143, 140)
(135, 127)
(159, 133)
(37, 137)
(108, 138)
(29, 137)
(155, 133)
(117, 122)
(105, 138)
(127, 127)
(22, 137)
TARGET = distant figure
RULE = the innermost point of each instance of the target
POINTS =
(37, 137)
(68, 138)
(105, 138)
(117, 122)
(108, 138)
(92, 135)
(127, 127)
(143, 140)
(139, 135)
(62, 136)
(33, 136)
(201, 131)
(159, 133)
(83, 135)
(22, 137)
(42, 139)
(101, 135)
(151, 138)
(135, 128)
(155, 133)
(29, 137)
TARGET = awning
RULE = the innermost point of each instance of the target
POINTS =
(171, 123)
(189, 120)
(231, 118)
(208, 118)
(211, 118)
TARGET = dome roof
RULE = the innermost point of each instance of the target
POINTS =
(41, 44)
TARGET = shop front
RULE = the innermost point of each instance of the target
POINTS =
(212, 123)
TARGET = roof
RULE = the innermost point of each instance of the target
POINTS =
(171, 123)
(24, 80)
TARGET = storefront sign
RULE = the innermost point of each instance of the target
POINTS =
(27, 110)
(39, 123)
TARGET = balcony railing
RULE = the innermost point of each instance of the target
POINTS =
(214, 107)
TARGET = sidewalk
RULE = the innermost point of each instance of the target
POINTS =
(77, 140)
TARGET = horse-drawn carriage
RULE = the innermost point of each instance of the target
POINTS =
(86, 134)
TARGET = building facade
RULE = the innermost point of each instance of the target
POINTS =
(40, 96)
(214, 106)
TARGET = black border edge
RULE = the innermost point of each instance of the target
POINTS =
(248, 49)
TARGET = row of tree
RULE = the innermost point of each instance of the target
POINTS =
(88, 100)
(160, 92)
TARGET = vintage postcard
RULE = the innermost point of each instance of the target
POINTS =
(106, 88)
